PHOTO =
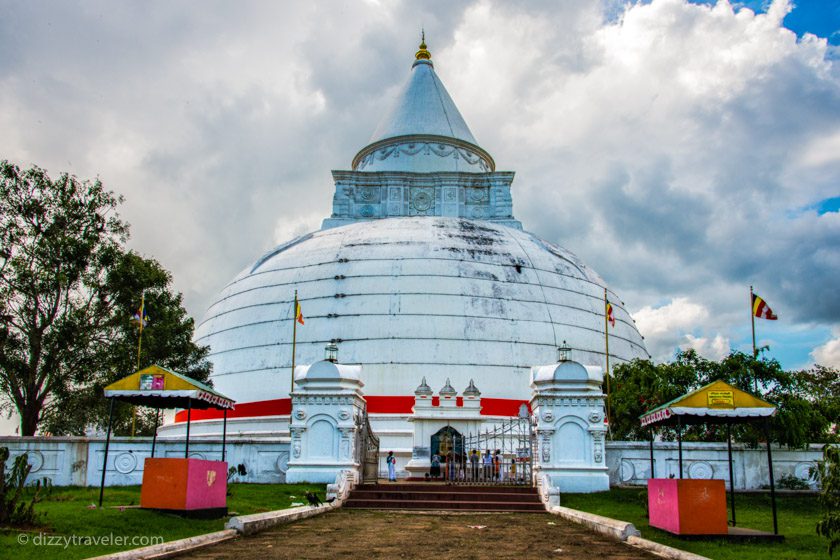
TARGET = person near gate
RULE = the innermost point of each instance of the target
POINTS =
(474, 459)
(392, 466)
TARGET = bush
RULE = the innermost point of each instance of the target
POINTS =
(15, 510)
(827, 474)
(793, 482)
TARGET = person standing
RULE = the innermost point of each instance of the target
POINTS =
(474, 465)
(392, 466)
(488, 465)
(497, 465)
(435, 470)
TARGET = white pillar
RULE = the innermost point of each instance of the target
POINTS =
(327, 412)
(569, 407)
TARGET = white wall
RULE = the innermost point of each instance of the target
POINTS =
(78, 461)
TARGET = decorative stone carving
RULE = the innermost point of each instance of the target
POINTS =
(596, 416)
(35, 460)
(282, 463)
(125, 462)
(803, 471)
(197, 455)
(424, 149)
(701, 470)
(422, 201)
(368, 193)
(343, 414)
(366, 211)
(627, 471)
(548, 416)
(296, 448)
(300, 414)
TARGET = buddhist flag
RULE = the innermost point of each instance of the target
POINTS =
(761, 309)
(610, 315)
(141, 316)
(298, 312)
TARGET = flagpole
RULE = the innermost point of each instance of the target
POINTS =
(607, 347)
(139, 347)
(294, 342)
(755, 350)
(140, 322)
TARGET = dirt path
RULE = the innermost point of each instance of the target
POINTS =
(378, 534)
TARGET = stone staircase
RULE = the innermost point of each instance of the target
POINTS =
(437, 497)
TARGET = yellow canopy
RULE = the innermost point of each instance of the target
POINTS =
(715, 403)
(158, 387)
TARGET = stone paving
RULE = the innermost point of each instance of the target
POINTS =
(371, 534)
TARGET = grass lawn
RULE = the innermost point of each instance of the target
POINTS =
(67, 514)
(797, 514)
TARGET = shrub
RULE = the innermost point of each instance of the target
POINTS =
(827, 474)
(15, 510)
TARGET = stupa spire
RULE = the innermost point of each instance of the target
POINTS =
(423, 53)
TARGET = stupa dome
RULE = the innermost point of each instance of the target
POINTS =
(420, 273)
(409, 298)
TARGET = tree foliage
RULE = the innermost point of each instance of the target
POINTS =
(827, 474)
(808, 401)
(68, 288)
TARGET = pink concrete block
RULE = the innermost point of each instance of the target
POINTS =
(206, 484)
(664, 504)
(688, 507)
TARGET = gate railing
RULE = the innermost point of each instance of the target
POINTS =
(510, 460)
(367, 449)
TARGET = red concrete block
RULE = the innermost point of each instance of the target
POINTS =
(688, 507)
(183, 484)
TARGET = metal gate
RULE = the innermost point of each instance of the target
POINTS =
(367, 449)
(499, 455)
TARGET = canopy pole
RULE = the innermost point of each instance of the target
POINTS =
(105, 459)
(731, 476)
(189, 418)
(652, 465)
(224, 434)
(154, 435)
(679, 443)
(772, 482)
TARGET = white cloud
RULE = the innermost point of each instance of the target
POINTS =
(679, 315)
(666, 146)
(715, 348)
(828, 354)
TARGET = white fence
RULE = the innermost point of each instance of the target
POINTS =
(629, 463)
(78, 461)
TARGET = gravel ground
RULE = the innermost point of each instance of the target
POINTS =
(387, 534)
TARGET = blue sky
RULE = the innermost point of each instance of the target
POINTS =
(819, 17)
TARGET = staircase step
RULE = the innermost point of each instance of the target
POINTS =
(435, 505)
(432, 495)
(437, 496)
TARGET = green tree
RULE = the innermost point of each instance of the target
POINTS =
(807, 400)
(166, 341)
(66, 290)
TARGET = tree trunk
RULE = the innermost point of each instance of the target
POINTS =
(29, 416)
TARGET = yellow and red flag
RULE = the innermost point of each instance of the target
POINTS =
(761, 309)
(610, 315)
(298, 312)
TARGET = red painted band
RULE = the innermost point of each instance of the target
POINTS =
(376, 404)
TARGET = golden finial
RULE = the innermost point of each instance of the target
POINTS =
(423, 54)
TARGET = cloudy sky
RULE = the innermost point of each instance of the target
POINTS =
(684, 150)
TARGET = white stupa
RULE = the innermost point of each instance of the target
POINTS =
(422, 271)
